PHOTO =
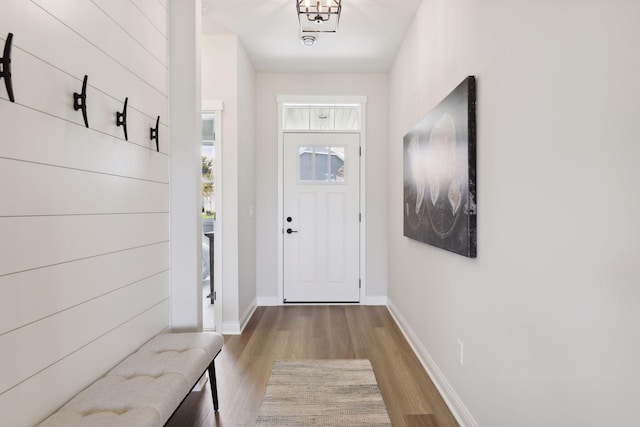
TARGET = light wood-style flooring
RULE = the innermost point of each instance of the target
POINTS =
(316, 332)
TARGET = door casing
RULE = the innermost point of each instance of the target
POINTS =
(323, 100)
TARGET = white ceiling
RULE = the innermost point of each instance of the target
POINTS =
(367, 40)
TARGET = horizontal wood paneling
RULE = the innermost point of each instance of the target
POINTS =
(54, 96)
(84, 218)
(62, 286)
(34, 242)
(83, 17)
(47, 190)
(34, 399)
(74, 328)
(39, 34)
(38, 137)
(131, 19)
(156, 13)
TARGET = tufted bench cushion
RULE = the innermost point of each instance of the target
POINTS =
(147, 387)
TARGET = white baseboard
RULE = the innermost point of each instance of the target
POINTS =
(236, 328)
(459, 411)
(230, 328)
(246, 316)
(375, 300)
(268, 301)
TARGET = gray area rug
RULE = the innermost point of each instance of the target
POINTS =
(323, 393)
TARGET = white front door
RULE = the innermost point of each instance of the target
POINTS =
(321, 217)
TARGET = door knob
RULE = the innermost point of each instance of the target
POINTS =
(289, 231)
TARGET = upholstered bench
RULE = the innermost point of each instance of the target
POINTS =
(147, 387)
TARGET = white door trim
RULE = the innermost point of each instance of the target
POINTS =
(330, 100)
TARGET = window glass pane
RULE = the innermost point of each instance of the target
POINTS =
(347, 118)
(321, 118)
(337, 164)
(296, 118)
(207, 127)
(321, 164)
(305, 155)
(207, 181)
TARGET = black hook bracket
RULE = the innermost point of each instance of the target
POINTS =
(121, 118)
(154, 134)
(80, 101)
(5, 67)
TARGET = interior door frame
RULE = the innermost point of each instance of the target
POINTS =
(361, 101)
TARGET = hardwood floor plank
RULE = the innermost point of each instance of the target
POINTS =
(316, 332)
(421, 420)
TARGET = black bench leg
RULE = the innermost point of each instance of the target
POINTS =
(214, 385)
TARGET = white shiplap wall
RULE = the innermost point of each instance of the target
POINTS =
(84, 214)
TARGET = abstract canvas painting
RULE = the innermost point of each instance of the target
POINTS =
(440, 174)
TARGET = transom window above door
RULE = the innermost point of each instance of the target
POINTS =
(320, 117)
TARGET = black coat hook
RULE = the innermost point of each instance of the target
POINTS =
(121, 118)
(80, 101)
(5, 69)
(154, 134)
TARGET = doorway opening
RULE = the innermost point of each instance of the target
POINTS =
(211, 219)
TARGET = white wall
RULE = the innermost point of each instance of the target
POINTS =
(84, 218)
(186, 177)
(374, 87)
(548, 312)
(220, 82)
(246, 185)
(228, 76)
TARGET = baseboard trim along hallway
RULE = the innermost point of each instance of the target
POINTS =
(451, 398)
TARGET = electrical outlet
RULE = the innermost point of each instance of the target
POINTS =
(460, 353)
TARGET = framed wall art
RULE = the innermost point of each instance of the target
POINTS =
(440, 174)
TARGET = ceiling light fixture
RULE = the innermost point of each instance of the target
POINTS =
(308, 40)
(319, 16)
